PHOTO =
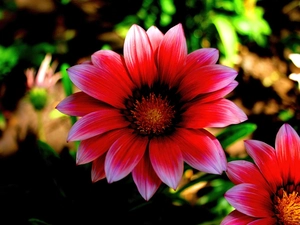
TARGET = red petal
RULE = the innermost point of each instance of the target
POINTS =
(237, 218)
(172, 54)
(139, 57)
(155, 37)
(201, 150)
(264, 221)
(167, 160)
(265, 159)
(98, 84)
(98, 172)
(250, 200)
(124, 155)
(199, 58)
(205, 79)
(241, 171)
(96, 123)
(212, 96)
(219, 113)
(288, 153)
(113, 65)
(80, 104)
(145, 177)
(93, 147)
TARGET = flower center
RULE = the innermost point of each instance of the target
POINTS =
(152, 114)
(287, 207)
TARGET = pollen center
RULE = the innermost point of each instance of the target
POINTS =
(287, 207)
(153, 114)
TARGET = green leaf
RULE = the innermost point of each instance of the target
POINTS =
(235, 132)
(35, 221)
(2, 121)
(46, 151)
(8, 59)
(286, 115)
(227, 35)
(50, 159)
(67, 83)
(242, 25)
(65, 2)
(239, 6)
(219, 187)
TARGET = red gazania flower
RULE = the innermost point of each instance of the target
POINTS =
(268, 190)
(145, 112)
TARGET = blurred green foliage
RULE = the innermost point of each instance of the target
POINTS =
(235, 132)
(152, 12)
(232, 19)
(10, 56)
(223, 24)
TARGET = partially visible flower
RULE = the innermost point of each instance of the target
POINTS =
(40, 82)
(145, 112)
(268, 190)
(295, 58)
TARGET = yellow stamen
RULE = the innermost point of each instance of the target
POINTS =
(287, 207)
(153, 114)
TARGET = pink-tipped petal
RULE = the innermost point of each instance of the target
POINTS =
(98, 172)
(52, 80)
(212, 96)
(113, 65)
(80, 104)
(139, 56)
(219, 113)
(124, 155)
(172, 54)
(167, 160)
(237, 218)
(155, 37)
(264, 221)
(97, 83)
(250, 200)
(201, 150)
(265, 159)
(93, 147)
(241, 171)
(287, 147)
(206, 79)
(96, 123)
(200, 58)
(145, 177)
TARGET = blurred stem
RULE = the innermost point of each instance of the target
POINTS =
(41, 132)
(68, 86)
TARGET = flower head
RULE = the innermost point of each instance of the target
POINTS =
(45, 77)
(39, 83)
(145, 112)
(268, 190)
